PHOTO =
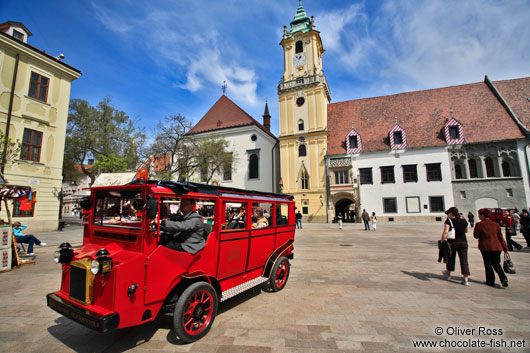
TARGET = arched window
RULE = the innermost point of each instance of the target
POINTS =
(300, 125)
(458, 172)
(301, 151)
(473, 173)
(253, 166)
(490, 172)
(506, 171)
(299, 47)
(304, 179)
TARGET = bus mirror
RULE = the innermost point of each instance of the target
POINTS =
(151, 207)
(138, 204)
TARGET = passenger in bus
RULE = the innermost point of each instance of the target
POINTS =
(238, 220)
(188, 234)
(261, 221)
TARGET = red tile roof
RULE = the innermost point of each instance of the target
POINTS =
(423, 114)
(516, 92)
(225, 114)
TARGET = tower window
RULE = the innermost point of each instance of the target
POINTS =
(301, 151)
(300, 125)
(299, 47)
(304, 179)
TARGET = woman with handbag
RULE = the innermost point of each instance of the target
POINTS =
(510, 231)
(490, 243)
(455, 229)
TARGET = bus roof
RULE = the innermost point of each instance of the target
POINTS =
(184, 188)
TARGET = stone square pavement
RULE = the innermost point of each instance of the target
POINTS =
(349, 290)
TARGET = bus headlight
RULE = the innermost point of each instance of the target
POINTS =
(94, 267)
(103, 263)
(65, 253)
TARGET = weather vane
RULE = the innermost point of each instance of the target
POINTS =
(224, 86)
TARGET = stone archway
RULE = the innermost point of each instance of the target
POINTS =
(345, 206)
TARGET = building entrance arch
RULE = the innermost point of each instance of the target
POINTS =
(347, 208)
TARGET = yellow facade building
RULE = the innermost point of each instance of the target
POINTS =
(304, 95)
(37, 109)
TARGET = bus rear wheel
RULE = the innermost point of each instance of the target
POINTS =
(195, 312)
(279, 274)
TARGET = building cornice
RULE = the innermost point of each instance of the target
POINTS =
(37, 54)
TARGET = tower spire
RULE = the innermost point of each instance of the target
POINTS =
(267, 117)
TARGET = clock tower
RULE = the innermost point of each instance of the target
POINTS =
(303, 95)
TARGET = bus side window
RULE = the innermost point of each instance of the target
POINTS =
(282, 214)
(235, 216)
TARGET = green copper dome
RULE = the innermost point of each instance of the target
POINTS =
(300, 22)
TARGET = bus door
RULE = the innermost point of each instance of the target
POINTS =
(234, 239)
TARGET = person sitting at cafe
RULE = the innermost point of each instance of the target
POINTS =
(29, 239)
(261, 221)
(186, 234)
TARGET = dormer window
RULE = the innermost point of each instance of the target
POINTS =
(18, 35)
(398, 138)
(353, 142)
(453, 132)
(299, 47)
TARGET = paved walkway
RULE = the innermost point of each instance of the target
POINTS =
(349, 291)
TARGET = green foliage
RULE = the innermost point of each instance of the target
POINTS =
(103, 133)
(211, 157)
(13, 148)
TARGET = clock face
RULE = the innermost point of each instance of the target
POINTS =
(299, 59)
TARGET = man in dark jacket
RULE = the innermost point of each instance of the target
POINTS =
(366, 218)
(187, 234)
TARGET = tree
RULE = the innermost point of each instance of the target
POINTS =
(188, 155)
(12, 148)
(212, 158)
(103, 133)
(172, 140)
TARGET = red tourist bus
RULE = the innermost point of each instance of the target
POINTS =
(123, 275)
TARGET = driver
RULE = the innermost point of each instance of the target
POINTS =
(186, 234)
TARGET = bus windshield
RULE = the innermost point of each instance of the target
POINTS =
(118, 209)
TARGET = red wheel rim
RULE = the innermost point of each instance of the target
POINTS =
(198, 313)
(281, 274)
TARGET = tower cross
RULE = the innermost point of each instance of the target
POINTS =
(224, 87)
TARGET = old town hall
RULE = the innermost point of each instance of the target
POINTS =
(407, 157)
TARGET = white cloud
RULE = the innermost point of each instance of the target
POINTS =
(424, 44)
(183, 38)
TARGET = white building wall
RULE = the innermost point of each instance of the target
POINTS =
(240, 143)
(371, 195)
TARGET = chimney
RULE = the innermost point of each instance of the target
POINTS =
(267, 118)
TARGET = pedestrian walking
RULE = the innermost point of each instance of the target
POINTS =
(366, 219)
(298, 220)
(29, 239)
(339, 220)
(471, 218)
(525, 226)
(516, 220)
(457, 242)
(352, 216)
(491, 244)
(373, 218)
(510, 231)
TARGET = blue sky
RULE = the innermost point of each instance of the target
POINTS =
(157, 58)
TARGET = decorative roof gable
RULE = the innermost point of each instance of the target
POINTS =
(353, 135)
(458, 137)
(395, 144)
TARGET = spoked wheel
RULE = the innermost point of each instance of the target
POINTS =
(195, 312)
(279, 274)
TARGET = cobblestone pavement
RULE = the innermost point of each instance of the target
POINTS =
(348, 291)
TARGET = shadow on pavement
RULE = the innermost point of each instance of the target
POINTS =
(84, 340)
(424, 276)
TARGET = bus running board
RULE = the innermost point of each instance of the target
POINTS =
(232, 292)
